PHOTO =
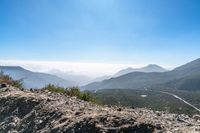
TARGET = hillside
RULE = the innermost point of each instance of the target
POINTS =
(34, 79)
(42, 111)
(135, 80)
(154, 100)
(179, 78)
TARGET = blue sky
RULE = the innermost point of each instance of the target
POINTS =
(165, 32)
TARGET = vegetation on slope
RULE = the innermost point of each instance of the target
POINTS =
(34, 79)
(6, 79)
(72, 91)
(149, 99)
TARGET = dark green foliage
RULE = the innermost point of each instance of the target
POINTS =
(188, 83)
(6, 79)
(72, 92)
(154, 100)
(53, 88)
(87, 96)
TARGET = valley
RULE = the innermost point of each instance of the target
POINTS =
(173, 102)
(179, 98)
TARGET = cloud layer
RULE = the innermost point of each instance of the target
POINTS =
(85, 68)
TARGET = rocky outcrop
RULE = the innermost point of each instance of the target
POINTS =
(45, 112)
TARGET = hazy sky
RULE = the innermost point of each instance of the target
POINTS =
(136, 32)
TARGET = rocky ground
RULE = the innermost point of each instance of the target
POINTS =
(45, 112)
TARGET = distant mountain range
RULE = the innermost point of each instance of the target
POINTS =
(83, 79)
(78, 79)
(146, 69)
(186, 77)
(149, 68)
(34, 79)
(65, 79)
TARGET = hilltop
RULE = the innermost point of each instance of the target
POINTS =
(147, 69)
(42, 111)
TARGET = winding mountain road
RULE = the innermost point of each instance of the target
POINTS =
(179, 98)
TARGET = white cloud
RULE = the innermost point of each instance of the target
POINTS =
(90, 69)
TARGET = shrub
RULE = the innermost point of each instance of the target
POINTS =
(6, 79)
(87, 96)
(72, 92)
(53, 88)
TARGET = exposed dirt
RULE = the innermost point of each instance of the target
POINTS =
(45, 112)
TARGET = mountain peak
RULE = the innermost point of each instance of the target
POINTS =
(148, 68)
(153, 65)
(154, 68)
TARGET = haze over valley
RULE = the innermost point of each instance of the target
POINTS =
(17, 72)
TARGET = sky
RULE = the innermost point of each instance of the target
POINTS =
(107, 33)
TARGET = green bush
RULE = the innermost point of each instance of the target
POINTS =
(87, 96)
(72, 92)
(6, 79)
(53, 88)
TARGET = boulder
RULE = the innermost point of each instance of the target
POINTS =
(3, 85)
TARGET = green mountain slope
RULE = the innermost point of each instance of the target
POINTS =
(183, 77)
